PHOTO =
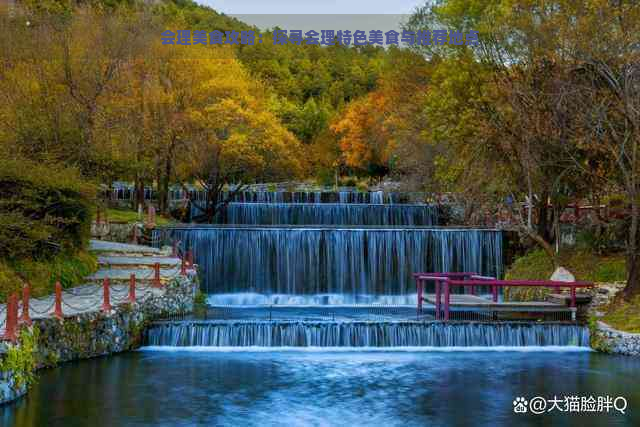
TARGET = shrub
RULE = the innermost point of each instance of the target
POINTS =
(69, 269)
(9, 281)
(44, 209)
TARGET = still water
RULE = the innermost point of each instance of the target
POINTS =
(174, 387)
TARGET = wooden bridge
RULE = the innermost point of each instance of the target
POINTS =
(444, 300)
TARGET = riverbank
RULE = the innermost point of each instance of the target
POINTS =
(91, 331)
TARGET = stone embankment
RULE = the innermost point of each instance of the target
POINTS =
(605, 338)
(610, 340)
(89, 329)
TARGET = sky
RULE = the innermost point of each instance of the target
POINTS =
(243, 7)
(319, 15)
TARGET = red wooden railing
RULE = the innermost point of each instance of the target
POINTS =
(12, 320)
(445, 281)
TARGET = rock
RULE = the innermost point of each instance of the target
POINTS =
(562, 275)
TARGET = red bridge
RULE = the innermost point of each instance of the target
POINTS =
(444, 282)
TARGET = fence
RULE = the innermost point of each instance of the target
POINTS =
(83, 299)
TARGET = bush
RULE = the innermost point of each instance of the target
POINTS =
(44, 210)
(70, 270)
(9, 281)
(45, 224)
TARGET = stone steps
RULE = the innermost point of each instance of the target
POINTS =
(122, 249)
(118, 261)
(132, 262)
(143, 275)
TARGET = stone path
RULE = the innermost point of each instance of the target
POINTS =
(117, 261)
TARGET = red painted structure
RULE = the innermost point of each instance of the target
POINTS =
(445, 281)
(156, 275)
(132, 288)
(57, 312)
(183, 266)
(106, 295)
(11, 326)
(25, 319)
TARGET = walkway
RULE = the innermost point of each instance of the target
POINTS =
(117, 262)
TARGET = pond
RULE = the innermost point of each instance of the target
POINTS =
(202, 387)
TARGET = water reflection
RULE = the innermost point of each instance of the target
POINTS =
(323, 388)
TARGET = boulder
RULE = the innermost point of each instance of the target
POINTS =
(562, 275)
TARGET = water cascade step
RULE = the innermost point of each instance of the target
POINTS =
(327, 214)
(363, 334)
(357, 262)
(376, 197)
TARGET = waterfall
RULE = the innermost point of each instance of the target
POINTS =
(363, 334)
(329, 214)
(351, 262)
(350, 197)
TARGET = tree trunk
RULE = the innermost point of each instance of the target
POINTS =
(546, 246)
(633, 253)
(139, 192)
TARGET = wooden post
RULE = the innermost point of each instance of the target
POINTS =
(132, 288)
(156, 275)
(57, 312)
(437, 299)
(11, 322)
(106, 297)
(25, 318)
(419, 284)
(446, 300)
(183, 267)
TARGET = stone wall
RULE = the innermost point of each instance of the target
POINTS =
(609, 340)
(95, 334)
(112, 231)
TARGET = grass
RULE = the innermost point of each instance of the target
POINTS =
(624, 316)
(70, 270)
(131, 216)
(582, 263)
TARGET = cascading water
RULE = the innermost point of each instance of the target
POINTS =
(363, 334)
(328, 214)
(351, 197)
(340, 248)
(347, 265)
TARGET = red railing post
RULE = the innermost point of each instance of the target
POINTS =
(11, 321)
(437, 286)
(106, 297)
(419, 284)
(183, 266)
(156, 275)
(446, 300)
(57, 312)
(573, 296)
(494, 291)
(190, 257)
(132, 288)
(25, 318)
